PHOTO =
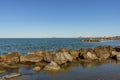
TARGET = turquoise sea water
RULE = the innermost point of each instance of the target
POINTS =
(108, 70)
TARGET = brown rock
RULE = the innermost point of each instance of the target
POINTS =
(114, 53)
(36, 69)
(2, 71)
(62, 57)
(52, 66)
(62, 50)
(7, 66)
(103, 52)
(36, 56)
(12, 57)
(74, 53)
(117, 57)
(48, 57)
(90, 56)
(117, 48)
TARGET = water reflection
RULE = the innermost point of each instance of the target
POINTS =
(114, 62)
(93, 63)
(79, 70)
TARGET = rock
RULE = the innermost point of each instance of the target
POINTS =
(48, 57)
(117, 57)
(11, 76)
(103, 52)
(2, 71)
(40, 64)
(4, 65)
(91, 40)
(12, 57)
(82, 51)
(117, 48)
(36, 56)
(74, 54)
(90, 56)
(62, 50)
(36, 69)
(114, 53)
(52, 66)
(62, 57)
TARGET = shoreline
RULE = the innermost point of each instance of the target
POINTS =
(53, 61)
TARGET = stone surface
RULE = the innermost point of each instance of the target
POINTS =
(36, 69)
(11, 76)
(114, 53)
(62, 57)
(2, 71)
(7, 66)
(117, 48)
(103, 52)
(117, 57)
(62, 50)
(90, 56)
(52, 66)
(12, 57)
(74, 53)
(36, 56)
(48, 57)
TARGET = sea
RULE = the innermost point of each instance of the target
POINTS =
(109, 70)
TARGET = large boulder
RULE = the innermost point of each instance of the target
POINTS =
(74, 53)
(11, 57)
(52, 66)
(103, 52)
(62, 57)
(82, 51)
(90, 56)
(36, 56)
(48, 57)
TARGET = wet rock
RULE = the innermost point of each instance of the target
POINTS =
(52, 66)
(103, 52)
(62, 57)
(2, 71)
(7, 66)
(11, 76)
(74, 53)
(36, 69)
(11, 57)
(36, 56)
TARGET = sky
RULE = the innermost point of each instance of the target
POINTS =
(59, 18)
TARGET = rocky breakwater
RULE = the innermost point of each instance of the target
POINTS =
(53, 61)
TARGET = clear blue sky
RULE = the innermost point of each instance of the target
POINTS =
(59, 18)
